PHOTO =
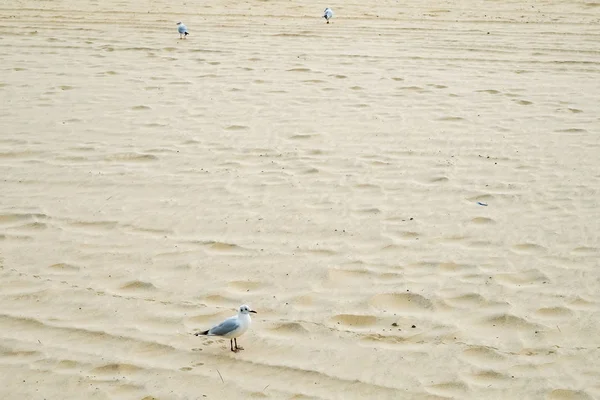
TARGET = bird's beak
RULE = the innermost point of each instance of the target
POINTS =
(252, 311)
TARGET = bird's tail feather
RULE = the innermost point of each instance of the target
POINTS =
(201, 333)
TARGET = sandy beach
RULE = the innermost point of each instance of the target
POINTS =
(408, 196)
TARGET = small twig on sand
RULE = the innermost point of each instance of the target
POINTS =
(558, 327)
(220, 376)
(266, 387)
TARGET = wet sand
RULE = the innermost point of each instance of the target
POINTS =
(408, 196)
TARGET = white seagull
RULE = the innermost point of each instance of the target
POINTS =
(328, 14)
(232, 328)
(182, 29)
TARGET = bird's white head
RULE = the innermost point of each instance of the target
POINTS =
(244, 309)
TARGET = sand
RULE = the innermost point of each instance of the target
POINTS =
(327, 175)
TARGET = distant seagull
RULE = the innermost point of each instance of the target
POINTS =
(182, 29)
(328, 14)
(232, 328)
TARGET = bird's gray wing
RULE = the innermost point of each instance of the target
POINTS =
(229, 325)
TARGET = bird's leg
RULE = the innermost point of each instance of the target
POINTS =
(236, 346)
(231, 343)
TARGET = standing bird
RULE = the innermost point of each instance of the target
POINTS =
(182, 29)
(232, 328)
(328, 14)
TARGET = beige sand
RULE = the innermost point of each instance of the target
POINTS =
(327, 175)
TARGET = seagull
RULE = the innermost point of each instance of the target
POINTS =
(328, 14)
(182, 29)
(232, 328)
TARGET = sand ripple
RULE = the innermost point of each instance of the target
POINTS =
(409, 198)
